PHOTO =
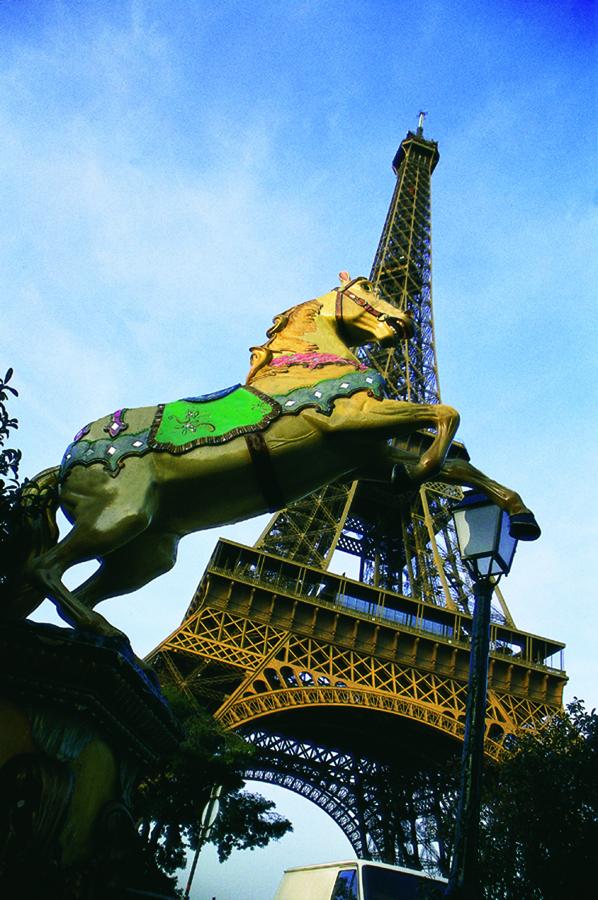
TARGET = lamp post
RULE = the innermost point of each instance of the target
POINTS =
(487, 549)
(208, 817)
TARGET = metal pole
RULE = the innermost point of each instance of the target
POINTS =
(200, 844)
(464, 878)
(206, 823)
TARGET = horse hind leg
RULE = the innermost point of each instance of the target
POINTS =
(92, 537)
(130, 567)
(68, 607)
(523, 525)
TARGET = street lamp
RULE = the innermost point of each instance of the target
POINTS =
(487, 549)
(206, 824)
(485, 543)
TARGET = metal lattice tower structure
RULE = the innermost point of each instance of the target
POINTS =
(353, 689)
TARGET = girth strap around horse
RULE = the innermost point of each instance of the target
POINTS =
(264, 471)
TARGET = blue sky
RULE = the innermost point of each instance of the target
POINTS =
(174, 174)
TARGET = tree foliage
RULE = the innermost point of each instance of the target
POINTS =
(9, 457)
(539, 815)
(539, 827)
(9, 462)
(21, 505)
(170, 800)
(247, 821)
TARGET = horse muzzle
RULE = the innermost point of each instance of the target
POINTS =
(403, 327)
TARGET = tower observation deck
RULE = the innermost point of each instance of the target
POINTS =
(353, 689)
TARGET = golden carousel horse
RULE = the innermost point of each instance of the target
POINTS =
(135, 482)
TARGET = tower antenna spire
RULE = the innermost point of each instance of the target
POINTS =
(420, 122)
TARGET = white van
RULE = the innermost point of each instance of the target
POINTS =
(358, 879)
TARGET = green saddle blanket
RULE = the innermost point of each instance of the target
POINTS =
(213, 419)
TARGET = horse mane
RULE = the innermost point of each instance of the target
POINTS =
(286, 335)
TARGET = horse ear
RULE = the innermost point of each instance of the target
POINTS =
(344, 277)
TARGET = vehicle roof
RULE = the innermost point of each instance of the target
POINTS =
(360, 863)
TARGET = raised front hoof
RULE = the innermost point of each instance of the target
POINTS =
(524, 527)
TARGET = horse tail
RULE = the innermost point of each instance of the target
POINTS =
(28, 528)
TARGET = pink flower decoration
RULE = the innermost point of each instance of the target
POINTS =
(315, 361)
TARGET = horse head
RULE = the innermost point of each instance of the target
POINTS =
(363, 316)
(347, 316)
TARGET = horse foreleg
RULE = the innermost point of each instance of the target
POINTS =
(399, 419)
(523, 524)
(388, 465)
(392, 463)
(446, 421)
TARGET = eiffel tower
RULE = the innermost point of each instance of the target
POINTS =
(353, 689)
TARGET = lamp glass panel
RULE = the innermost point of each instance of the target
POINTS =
(506, 544)
(485, 566)
(477, 528)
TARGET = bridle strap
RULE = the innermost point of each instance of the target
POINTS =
(339, 304)
(340, 322)
(340, 293)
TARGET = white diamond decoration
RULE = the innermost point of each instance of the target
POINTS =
(345, 384)
(111, 450)
(138, 443)
(290, 403)
(318, 394)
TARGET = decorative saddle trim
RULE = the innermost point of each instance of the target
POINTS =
(213, 419)
(109, 451)
(323, 395)
(116, 424)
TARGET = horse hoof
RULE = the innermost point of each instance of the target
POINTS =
(97, 625)
(524, 527)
